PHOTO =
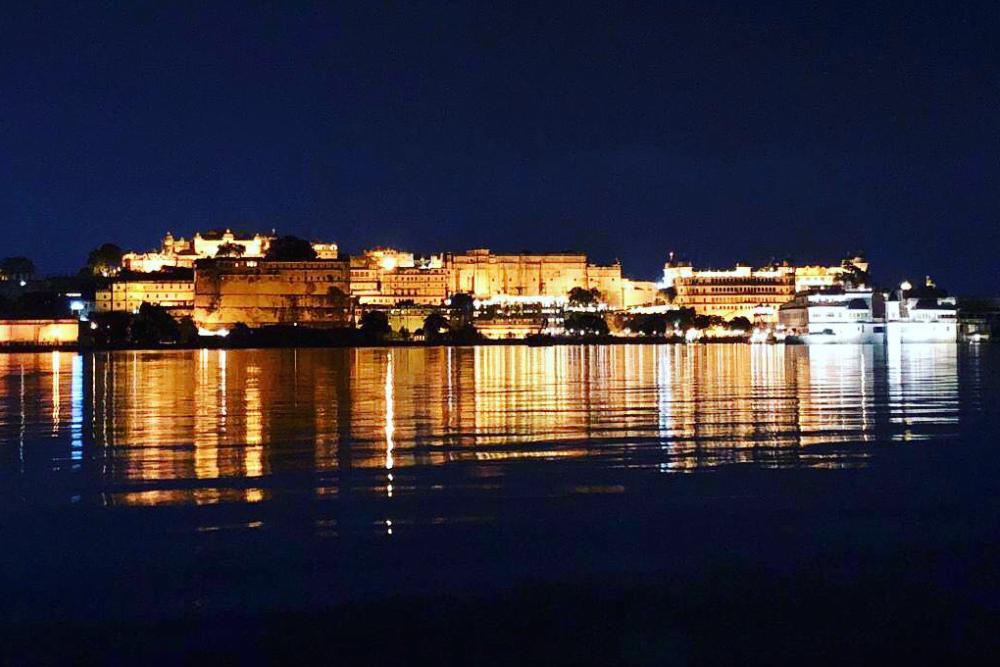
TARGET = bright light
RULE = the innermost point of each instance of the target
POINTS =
(388, 263)
(76, 306)
(23, 283)
(221, 333)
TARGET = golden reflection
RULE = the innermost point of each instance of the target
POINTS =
(390, 426)
(56, 397)
(184, 426)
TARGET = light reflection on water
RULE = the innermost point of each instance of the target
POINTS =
(202, 427)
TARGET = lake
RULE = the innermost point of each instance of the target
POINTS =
(143, 488)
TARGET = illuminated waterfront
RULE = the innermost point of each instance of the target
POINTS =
(238, 426)
(267, 480)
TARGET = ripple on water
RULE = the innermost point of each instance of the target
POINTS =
(208, 427)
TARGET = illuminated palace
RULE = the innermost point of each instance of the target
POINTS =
(230, 291)
(388, 277)
(486, 275)
(183, 253)
(169, 289)
(378, 278)
(754, 293)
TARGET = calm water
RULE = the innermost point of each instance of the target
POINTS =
(200, 427)
(189, 484)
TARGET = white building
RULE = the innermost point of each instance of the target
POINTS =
(921, 315)
(834, 315)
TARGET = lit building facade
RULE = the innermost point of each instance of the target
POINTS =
(172, 290)
(834, 315)
(261, 292)
(485, 275)
(388, 277)
(183, 253)
(744, 291)
(753, 293)
(923, 314)
(639, 293)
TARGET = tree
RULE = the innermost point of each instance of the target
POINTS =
(153, 325)
(435, 326)
(586, 324)
(230, 250)
(707, 321)
(375, 324)
(740, 324)
(16, 268)
(112, 328)
(464, 307)
(653, 324)
(465, 334)
(187, 331)
(105, 260)
(667, 294)
(682, 318)
(40, 304)
(290, 249)
(578, 296)
(240, 333)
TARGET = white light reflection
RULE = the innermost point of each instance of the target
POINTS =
(76, 409)
(56, 398)
(663, 400)
(390, 429)
(390, 425)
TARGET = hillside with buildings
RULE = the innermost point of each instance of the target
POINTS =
(221, 281)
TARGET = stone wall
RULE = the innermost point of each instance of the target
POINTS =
(39, 332)
(259, 293)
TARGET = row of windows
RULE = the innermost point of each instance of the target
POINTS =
(778, 291)
(307, 278)
(778, 282)
(406, 278)
(180, 287)
(159, 296)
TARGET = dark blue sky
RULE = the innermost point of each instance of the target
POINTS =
(625, 130)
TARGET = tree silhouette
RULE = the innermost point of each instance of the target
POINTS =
(435, 326)
(375, 324)
(230, 250)
(579, 296)
(105, 260)
(290, 249)
(16, 268)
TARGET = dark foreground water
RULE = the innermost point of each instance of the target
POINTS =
(623, 504)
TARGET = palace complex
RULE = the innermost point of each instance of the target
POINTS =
(170, 289)
(183, 253)
(753, 293)
(221, 278)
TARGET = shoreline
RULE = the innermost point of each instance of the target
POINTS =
(215, 344)
(221, 344)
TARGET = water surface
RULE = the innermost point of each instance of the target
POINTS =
(240, 426)
(138, 486)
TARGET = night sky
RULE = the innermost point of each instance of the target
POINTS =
(720, 132)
